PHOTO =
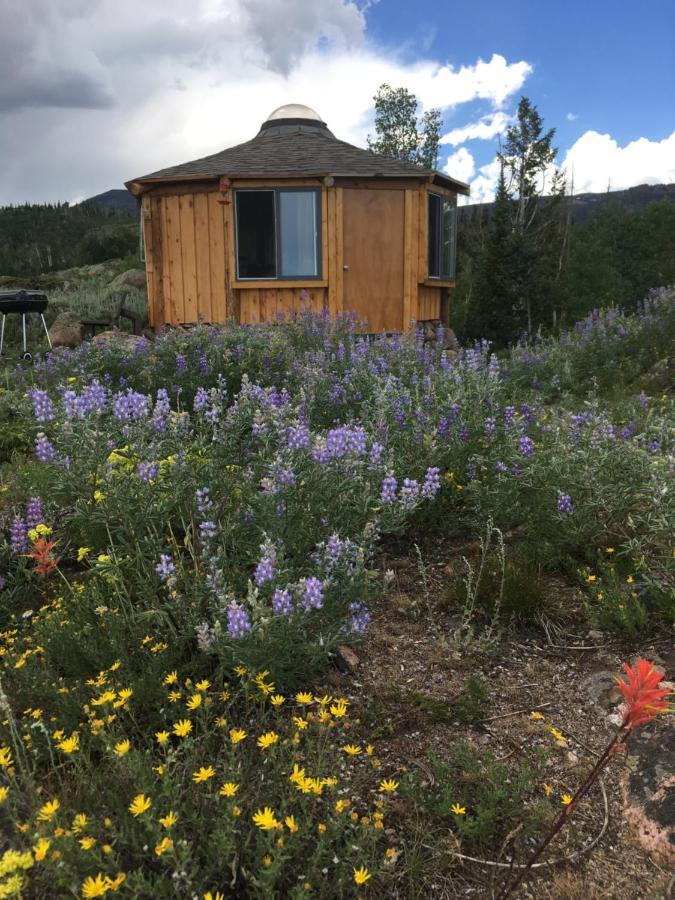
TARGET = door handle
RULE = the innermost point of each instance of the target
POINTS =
(345, 268)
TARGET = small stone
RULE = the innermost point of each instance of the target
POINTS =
(346, 659)
(595, 635)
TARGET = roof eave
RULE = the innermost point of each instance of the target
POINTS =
(452, 183)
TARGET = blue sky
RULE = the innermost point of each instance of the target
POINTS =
(95, 92)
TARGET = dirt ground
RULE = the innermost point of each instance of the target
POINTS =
(408, 675)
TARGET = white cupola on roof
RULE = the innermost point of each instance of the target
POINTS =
(294, 111)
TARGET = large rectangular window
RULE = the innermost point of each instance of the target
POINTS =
(442, 237)
(278, 234)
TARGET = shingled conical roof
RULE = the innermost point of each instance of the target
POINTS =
(294, 143)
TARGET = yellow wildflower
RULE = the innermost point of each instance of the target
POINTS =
(122, 748)
(339, 708)
(95, 887)
(5, 757)
(229, 789)
(194, 702)
(536, 715)
(87, 842)
(277, 700)
(203, 774)
(69, 745)
(41, 848)
(165, 844)
(291, 824)
(300, 723)
(237, 735)
(341, 805)
(548, 790)
(4, 791)
(388, 786)
(203, 685)
(566, 799)
(303, 697)
(361, 875)
(162, 737)
(457, 809)
(265, 819)
(48, 811)
(171, 678)
(139, 805)
(182, 728)
(82, 552)
(352, 749)
(169, 820)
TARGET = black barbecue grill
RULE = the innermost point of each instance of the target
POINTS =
(22, 303)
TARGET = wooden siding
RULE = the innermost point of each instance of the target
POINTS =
(273, 304)
(428, 303)
(379, 230)
(185, 257)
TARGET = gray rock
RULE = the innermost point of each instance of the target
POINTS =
(66, 330)
(649, 789)
(132, 278)
(119, 339)
(346, 659)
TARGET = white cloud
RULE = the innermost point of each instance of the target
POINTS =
(572, 117)
(461, 165)
(161, 83)
(486, 128)
(483, 187)
(596, 160)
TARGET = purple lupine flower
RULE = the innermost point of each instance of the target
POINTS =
(312, 593)
(464, 434)
(238, 622)
(376, 452)
(34, 512)
(501, 467)
(565, 504)
(654, 446)
(526, 446)
(509, 416)
(643, 399)
(18, 536)
(42, 405)
(94, 397)
(130, 406)
(148, 471)
(206, 637)
(44, 449)
(181, 363)
(409, 492)
(166, 570)
(3, 582)
(201, 400)
(207, 531)
(432, 483)
(286, 477)
(388, 490)
(282, 603)
(71, 409)
(490, 425)
(204, 501)
(203, 365)
(298, 437)
(360, 618)
(266, 569)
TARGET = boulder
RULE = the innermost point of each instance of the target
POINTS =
(649, 790)
(66, 330)
(132, 278)
(119, 340)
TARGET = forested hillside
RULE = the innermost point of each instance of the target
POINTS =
(37, 238)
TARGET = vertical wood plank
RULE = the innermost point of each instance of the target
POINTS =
(339, 251)
(176, 311)
(331, 260)
(203, 257)
(187, 236)
(217, 256)
(158, 240)
(408, 268)
(233, 298)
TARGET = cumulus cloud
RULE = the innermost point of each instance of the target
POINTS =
(571, 117)
(117, 89)
(461, 165)
(483, 187)
(596, 160)
(485, 128)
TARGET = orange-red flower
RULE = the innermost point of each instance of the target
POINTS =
(644, 697)
(41, 554)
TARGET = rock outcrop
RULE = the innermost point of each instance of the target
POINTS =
(66, 330)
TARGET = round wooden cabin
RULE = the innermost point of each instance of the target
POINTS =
(296, 218)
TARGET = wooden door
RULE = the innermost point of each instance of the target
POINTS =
(373, 257)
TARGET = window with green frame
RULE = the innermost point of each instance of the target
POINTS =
(442, 236)
(278, 233)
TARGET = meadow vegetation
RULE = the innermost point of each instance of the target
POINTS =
(190, 530)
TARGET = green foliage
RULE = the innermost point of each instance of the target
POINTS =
(469, 708)
(399, 133)
(496, 799)
(39, 238)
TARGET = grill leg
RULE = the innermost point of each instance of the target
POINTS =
(2, 333)
(23, 327)
(44, 325)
